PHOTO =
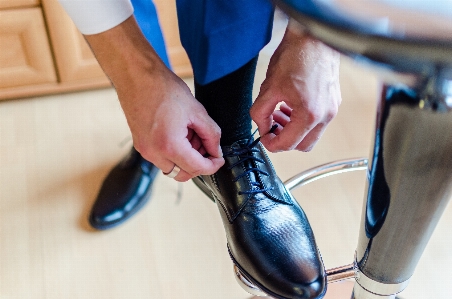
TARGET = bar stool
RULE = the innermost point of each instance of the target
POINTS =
(409, 172)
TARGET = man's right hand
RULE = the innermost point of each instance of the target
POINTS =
(169, 126)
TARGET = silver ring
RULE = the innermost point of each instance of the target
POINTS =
(172, 174)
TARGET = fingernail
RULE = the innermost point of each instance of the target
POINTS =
(220, 152)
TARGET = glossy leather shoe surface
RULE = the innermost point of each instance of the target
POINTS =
(124, 191)
(269, 237)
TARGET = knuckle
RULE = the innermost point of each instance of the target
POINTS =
(253, 112)
(273, 148)
(139, 145)
(182, 179)
(331, 113)
(145, 152)
(149, 155)
(196, 172)
(183, 176)
(167, 148)
(217, 132)
(329, 117)
(286, 147)
(305, 147)
(267, 145)
(312, 117)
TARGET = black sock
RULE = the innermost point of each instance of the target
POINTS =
(228, 101)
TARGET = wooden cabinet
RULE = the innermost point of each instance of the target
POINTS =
(73, 57)
(26, 58)
(42, 52)
(18, 3)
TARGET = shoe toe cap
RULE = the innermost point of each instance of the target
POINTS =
(103, 221)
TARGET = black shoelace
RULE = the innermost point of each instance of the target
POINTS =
(245, 154)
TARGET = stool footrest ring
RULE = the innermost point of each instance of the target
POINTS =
(325, 170)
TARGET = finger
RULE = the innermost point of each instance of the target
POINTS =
(193, 162)
(155, 157)
(184, 175)
(165, 159)
(196, 144)
(277, 130)
(166, 166)
(180, 151)
(194, 139)
(209, 134)
(286, 109)
(203, 152)
(311, 139)
(281, 118)
(291, 135)
(190, 134)
(262, 112)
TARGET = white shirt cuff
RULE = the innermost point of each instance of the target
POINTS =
(96, 16)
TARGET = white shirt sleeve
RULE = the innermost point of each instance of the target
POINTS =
(96, 16)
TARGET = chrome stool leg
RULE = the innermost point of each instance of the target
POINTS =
(408, 186)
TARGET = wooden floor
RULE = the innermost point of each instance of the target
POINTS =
(55, 152)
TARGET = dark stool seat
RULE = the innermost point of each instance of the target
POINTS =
(405, 36)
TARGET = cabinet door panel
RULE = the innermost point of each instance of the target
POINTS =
(25, 55)
(74, 59)
(18, 3)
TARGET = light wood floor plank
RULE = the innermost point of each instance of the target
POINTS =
(55, 152)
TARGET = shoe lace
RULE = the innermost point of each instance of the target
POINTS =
(245, 153)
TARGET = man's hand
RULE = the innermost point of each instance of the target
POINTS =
(169, 126)
(303, 75)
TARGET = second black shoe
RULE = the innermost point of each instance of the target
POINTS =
(269, 237)
(124, 191)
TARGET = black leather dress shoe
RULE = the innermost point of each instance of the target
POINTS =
(124, 191)
(269, 237)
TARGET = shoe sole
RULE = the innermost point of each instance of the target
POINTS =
(260, 286)
(199, 182)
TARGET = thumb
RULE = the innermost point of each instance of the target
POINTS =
(209, 133)
(262, 112)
